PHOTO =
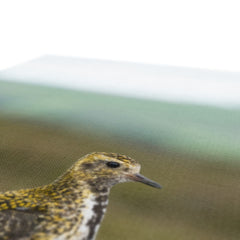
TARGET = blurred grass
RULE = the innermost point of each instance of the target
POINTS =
(199, 200)
(180, 128)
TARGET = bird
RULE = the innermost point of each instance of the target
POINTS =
(72, 206)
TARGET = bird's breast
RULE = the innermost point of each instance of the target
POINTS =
(91, 216)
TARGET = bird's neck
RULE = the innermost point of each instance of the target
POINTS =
(74, 181)
(88, 202)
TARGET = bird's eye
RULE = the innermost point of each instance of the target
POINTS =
(113, 164)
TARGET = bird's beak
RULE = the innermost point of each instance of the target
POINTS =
(140, 178)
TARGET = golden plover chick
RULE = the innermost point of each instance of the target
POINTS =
(71, 207)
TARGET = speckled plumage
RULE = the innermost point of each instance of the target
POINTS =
(71, 207)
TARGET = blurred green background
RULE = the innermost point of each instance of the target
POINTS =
(192, 151)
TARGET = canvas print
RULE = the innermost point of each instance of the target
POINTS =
(72, 129)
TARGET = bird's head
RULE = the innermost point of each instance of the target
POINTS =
(103, 170)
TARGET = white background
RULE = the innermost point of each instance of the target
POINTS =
(203, 34)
